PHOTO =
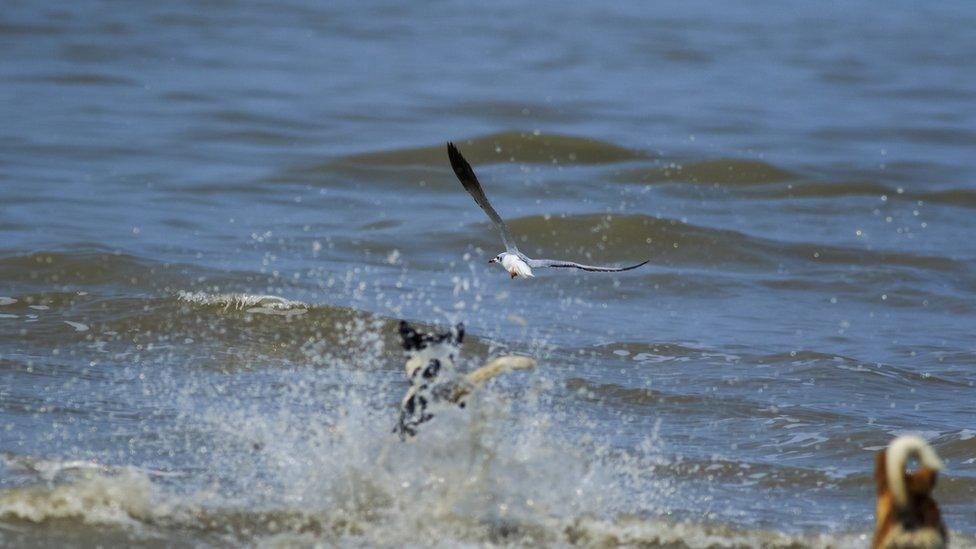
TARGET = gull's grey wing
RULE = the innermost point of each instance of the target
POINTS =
(555, 263)
(470, 182)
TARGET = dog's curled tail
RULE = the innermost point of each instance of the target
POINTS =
(495, 368)
(899, 452)
(500, 365)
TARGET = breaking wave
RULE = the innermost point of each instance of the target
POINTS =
(267, 304)
(719, 172)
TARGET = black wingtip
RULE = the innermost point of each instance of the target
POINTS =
(461, 167)
(453, 152)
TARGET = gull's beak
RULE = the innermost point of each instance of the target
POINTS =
(492, 260)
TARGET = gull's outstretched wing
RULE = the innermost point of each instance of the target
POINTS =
(555, 263)
(470, 182)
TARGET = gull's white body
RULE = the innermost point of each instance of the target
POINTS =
(515, 266)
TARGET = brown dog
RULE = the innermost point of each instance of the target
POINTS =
(907, 516)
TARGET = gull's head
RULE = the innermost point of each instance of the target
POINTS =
(496, 259)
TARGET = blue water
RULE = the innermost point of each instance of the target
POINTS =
(799, 175)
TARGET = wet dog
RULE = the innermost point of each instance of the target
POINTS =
(434, 377)
(907, 516)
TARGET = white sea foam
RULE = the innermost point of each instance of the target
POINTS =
(500, 473)
(432, 512)
(126, 498)
(78, 326)
(251, 303)
(310, 459)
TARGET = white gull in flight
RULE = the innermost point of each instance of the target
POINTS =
(514, 261)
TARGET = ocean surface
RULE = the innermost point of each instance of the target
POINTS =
(213, 213)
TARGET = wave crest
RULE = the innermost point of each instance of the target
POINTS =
(251, 303)
(125, 498)
(507, 147)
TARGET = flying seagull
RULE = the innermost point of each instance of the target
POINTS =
(514, 261)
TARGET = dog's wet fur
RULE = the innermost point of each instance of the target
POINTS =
(432, 370)
(917, 523)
